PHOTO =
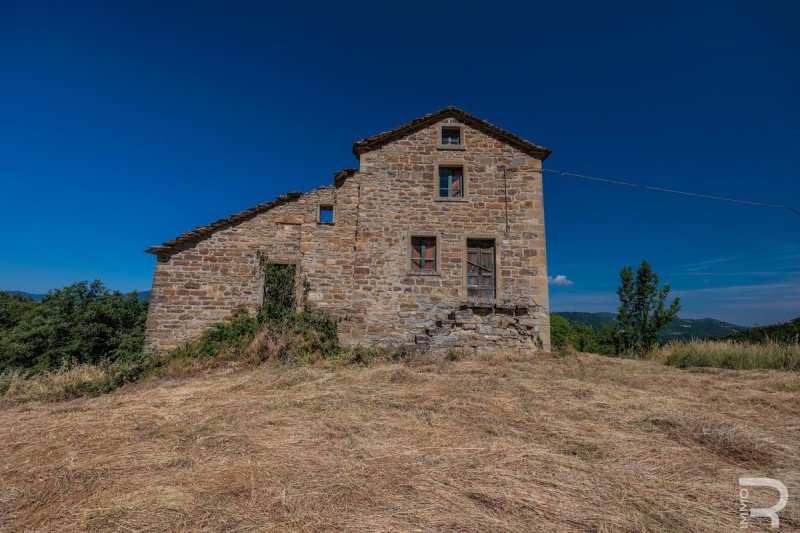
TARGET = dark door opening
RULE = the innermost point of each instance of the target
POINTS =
(280, 292)
(480, 269)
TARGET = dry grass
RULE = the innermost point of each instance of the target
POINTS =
(14, 386)
(511, 443)
(735, 355)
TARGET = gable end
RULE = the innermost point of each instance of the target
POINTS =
(376, 141)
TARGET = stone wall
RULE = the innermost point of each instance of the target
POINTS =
(398, 201)
(358, 269)
(209, 280)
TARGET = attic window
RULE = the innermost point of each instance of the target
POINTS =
(326, 214)
(451, 135)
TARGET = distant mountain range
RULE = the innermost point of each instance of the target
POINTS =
(143, 295)
(678, 329)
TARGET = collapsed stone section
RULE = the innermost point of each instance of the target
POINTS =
(479, 325)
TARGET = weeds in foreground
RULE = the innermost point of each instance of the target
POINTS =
(734, 355)
(299, 338)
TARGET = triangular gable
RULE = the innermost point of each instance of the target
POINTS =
(197, 234)
(381, 139)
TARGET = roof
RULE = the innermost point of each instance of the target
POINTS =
(343, 174)
(381, 139)
(359, 147)
(203, 231)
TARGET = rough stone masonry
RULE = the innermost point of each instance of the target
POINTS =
(437, 240)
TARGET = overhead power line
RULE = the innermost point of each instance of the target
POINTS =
(673, 191)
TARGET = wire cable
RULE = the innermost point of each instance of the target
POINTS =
(673, 191)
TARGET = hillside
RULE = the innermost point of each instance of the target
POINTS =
(596, 320)
(784, 332)
(679, 329)
(528, 444)
(29, 295)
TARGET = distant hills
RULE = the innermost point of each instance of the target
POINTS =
(678, 329)
(143, 295)
(34, 297)
(783, 332)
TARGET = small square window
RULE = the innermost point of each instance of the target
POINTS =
(423, 254)
(326, 214)
(451, 182)
(451, 136)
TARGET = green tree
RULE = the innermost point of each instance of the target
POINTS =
(81, 323)
(561, 333)
(642, 309)
(14, 309)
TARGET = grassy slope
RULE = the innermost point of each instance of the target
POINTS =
(580, 443)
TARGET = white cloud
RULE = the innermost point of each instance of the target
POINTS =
(560, 280)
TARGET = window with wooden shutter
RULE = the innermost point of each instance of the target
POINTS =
(451, 182)
(480, 269)
(423, 254)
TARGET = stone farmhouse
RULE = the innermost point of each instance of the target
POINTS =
(436, 240)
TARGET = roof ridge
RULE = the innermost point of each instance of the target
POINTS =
(376, 141)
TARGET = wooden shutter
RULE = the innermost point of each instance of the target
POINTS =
(480, 269)
(423, 254)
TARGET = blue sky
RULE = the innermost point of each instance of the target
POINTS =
(123, 124)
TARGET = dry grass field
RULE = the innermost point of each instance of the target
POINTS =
(580, 443)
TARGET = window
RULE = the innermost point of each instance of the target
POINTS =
(480, 269)
(451, 135)
(423, 254)
(326, 214)
(451, 182)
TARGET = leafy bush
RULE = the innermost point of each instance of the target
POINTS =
(279, 290)
(582, 337)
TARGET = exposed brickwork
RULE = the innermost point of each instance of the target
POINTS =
(359, 268)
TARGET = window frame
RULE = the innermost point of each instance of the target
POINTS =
(450, 125)
(464, 186)
(436, 255)
(322, 207)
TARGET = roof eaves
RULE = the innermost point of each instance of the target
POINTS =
(201, 232)
(342, 175)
